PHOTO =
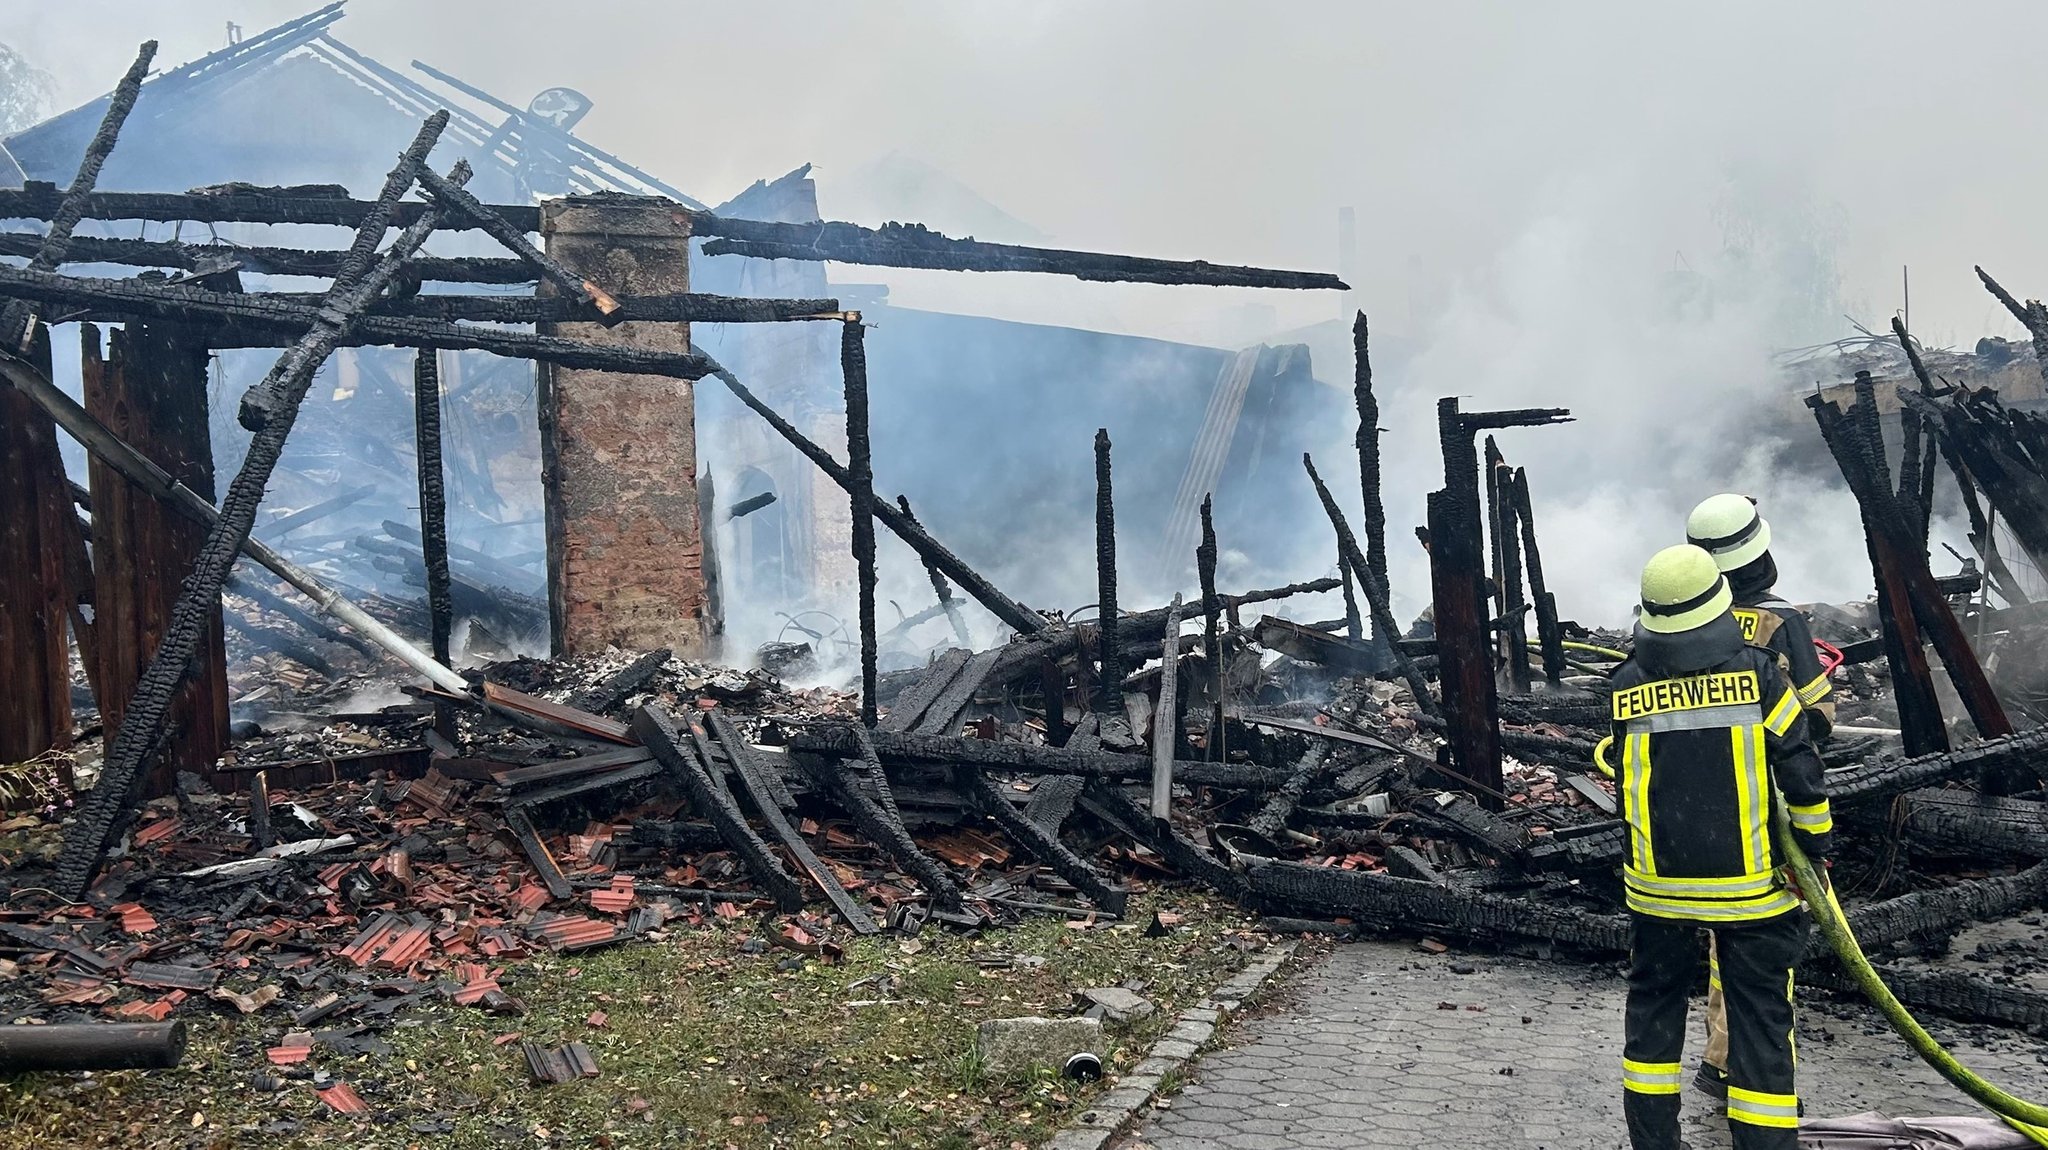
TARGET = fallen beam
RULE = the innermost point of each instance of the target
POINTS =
(912, 750)
(1044, 845)
(874, 821)
(764, 789)
(657, 728)
(70, 1046)
(1974, 825)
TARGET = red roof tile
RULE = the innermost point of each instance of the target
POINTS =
(343, 1099)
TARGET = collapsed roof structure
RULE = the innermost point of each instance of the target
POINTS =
(1338, 775)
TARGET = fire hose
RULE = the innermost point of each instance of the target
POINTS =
(2030, 1118)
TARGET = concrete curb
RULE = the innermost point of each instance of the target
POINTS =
(1094, 1127)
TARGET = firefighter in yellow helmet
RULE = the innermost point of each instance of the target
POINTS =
(1708, 730)
(1730, 529)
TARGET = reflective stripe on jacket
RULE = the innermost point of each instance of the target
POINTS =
(1698, 754)
(1771, 622)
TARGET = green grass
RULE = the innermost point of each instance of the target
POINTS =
(703, 1046)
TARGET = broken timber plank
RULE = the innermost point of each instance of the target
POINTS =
(912, 704)
(537, 853)
(888, 833)
(946, 750)
(943, 716)
(1180, 853)
(754, 779)
(658, 730)
(1043, 844)
(745, 759)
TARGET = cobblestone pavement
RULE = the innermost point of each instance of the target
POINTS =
(1383, 1045)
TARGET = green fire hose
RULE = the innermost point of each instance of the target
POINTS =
(2029, 1117)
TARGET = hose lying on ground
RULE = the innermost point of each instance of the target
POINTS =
(2029, 1117)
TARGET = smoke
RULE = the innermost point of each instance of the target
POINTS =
(1623, 209)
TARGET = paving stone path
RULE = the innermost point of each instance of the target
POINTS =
(1382, 1045)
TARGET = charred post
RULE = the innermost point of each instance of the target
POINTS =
(1549, 636)
(1369, 464)
(853, 366)
(1105, 577)
(1919, 709)
(1514, 630)
(1212, 633)
(426, 407)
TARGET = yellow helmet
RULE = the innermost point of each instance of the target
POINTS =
(1682, 590)
(1729, 528)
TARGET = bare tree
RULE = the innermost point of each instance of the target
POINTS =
(25, 91)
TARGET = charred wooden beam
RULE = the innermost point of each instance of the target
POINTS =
(860, 489)
(910, 706)
(764, 790)
(1401, 904)
(66, 1046)
(1354, 623)
(1180, 853)
(1972, 824)
(658, 730)
(1508, 552)
(1464, 666)
(313, 513)
(272, 407)
(1936, 915)
(1375, 592)
(265, 320)
(1950, 993)
(915, 246)
(1912, 681)
(1166, 718)
(875, 822)
(1212, 637)
(1044, 845)
(942, 717)
(457, 202)
(426, 408)
(267, 260)
(1106, 608)
(940, 587)
(1368, 441)
(915, 750)
(1901, 557)
(893, 245)
(240, 203)
(551, 876)
(1550, 636)
(1011, 612)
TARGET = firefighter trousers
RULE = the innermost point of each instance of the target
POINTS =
(1755, 961)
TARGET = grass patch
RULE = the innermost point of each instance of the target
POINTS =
(703, 1045)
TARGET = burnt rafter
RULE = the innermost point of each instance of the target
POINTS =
(892, 245)
(268, 316)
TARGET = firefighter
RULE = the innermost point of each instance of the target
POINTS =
(1730, 529)
(1705, 724)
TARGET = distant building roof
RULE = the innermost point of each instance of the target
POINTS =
(293, 104)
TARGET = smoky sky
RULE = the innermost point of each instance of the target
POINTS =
(1533, 185)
